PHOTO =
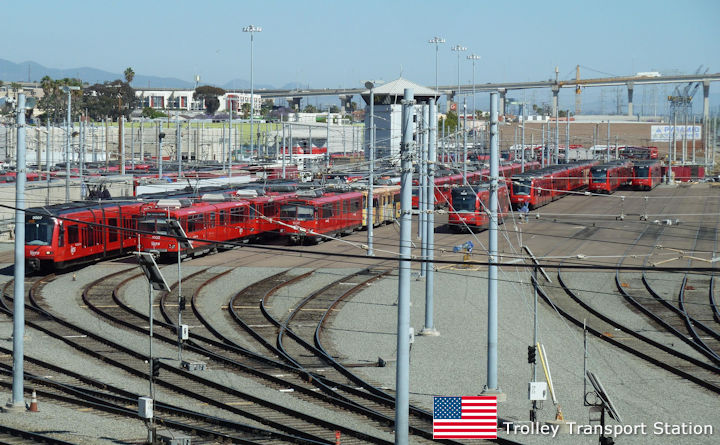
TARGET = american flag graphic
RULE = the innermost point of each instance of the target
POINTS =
(465, 417)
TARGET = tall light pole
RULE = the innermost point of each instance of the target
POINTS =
(436, 40)
(68, 127)
(458, 49)
(371, 86)
(474, 58)
(252, 29)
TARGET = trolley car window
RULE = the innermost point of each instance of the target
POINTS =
(73, 234)
(195, 223)
(326, 211)
(112, 233)
(238, 215)
(38, 233)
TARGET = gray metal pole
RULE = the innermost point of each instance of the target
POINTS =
(557, 127)
(160, 160)
(522, 139)
(121, 147)
(542, 154)
(465, 157)
(684, 137)
(18, 401)
(693, 140)
(252, 96)
(421, 188)
(429, 328)
(150, 338)
(567, 137)
(47, 161)
(142, 145)
(68, 124)
(371, 180)
(229, 153)
(178, 147)
(179, 312)
(132, 145)
(284, 150)
(402, 370)
(426, 188)
(607, 148)
(492, 345)
(222, 148)
(327, 144)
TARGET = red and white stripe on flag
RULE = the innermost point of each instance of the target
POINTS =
(465, 417)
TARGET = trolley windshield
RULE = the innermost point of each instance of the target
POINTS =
(599, 175)
(642, 172)
(300, 212)
(157, 226)
(521, 187)
(463, 201)
(39, 232)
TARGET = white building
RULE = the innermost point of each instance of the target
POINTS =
(181, 99)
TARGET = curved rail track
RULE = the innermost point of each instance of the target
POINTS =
(572, 306)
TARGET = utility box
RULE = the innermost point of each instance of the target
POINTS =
(193, 366)
(145, 407)
(184, 332)
(537, 390)
(176, 440)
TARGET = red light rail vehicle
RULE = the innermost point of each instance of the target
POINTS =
(311, 214)
(646, 175)
(539, 187)
(471, 204)
(208, 225)
(64, 235)
(607, 178)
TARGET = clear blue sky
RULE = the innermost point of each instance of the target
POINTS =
(342, 43)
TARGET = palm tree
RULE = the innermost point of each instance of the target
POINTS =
(129, 75)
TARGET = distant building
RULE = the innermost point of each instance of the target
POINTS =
(183, 99)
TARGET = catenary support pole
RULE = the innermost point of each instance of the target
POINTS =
(402, 370)
(48, 161)
(491, 387)
(464, 130)
(426, 188)
(429, 328)
(178, 147)
(522, 139)
(371, 179)
(18, 402)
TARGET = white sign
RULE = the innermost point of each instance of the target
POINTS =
(664, 133)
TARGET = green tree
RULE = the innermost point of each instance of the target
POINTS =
(54, 101)
(152, 113)
(245, 110)
(129, 75)
(451, 122)
(334, 109)
(210, 95)
(310, 109)
(267, 107)
(109, 99)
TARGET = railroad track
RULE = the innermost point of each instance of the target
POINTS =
(181, 383)
(652, 349)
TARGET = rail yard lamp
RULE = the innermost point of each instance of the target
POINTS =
(474, 58)
(436, 40)
(68, 127)
(252, 29)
